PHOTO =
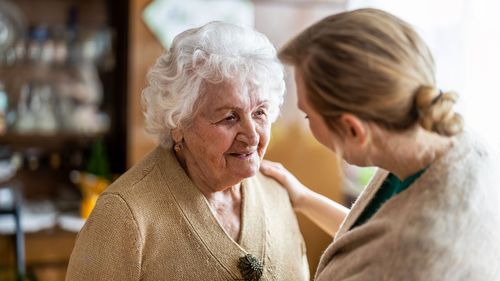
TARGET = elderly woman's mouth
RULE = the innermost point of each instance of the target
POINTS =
(242, 155)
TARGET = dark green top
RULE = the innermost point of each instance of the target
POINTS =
(391, 187)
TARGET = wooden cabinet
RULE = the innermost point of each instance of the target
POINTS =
(47, 254)
(82, 96)
(72, 57)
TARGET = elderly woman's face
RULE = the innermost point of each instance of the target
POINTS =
(228, 136)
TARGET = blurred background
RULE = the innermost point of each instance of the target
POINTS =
(71, 74)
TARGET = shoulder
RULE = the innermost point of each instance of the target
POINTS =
(109, 232)
(468, 171)
(272, 194)
(458, 189)
(270, 186)
(111, 210)
(450, 216)
(136, 174)
(470, 152)
(148, 179)
(145, 187)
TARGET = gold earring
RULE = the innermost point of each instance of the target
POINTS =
(178, 147)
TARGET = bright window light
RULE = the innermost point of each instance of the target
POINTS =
(464, 37)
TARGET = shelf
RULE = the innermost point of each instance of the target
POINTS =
(46, 71)
(46, 141)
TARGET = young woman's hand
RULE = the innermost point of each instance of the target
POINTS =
(323, 211)
(296, 190)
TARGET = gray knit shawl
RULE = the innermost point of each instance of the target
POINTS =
(446, 226)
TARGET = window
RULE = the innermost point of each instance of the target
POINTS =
(464, 37)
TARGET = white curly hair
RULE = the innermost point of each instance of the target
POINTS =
(213, 53)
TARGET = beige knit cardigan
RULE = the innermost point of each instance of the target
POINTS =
(154, 224)
(446, 226)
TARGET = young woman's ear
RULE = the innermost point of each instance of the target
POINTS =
(354, 128)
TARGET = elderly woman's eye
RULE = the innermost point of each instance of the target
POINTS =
(231, 117)
(260, 113)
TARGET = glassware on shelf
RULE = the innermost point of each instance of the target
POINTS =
(11, 29)
(35, 110)
(20, 50)
(60, 46)
(56, 78)
(25, 119)
(45, 115)
(4, 104)
(38, 35)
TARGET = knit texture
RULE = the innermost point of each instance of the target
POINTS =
(446, 226)
(154, 224)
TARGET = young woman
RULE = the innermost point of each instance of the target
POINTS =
(366, 83)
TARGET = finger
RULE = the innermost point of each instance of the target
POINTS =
(267, 168)
(276, 174)
(265, 164)
(273, 164)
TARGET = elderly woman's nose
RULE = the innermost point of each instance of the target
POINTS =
(248, 133)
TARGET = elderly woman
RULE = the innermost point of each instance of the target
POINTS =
(366, 83)
(196, 208)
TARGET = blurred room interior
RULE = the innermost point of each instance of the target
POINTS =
(71, 74)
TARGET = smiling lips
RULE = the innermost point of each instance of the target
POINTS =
(242, 155)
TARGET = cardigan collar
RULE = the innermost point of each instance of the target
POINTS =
(362, 202)
(197, 213)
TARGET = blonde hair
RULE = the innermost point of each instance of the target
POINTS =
(374, 65)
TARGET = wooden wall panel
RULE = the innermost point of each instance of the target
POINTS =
(143, 51)
(316, 167)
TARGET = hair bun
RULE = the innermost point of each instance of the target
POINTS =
(436, 111)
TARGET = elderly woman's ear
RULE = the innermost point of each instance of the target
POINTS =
(177, 138)
(177, 135)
